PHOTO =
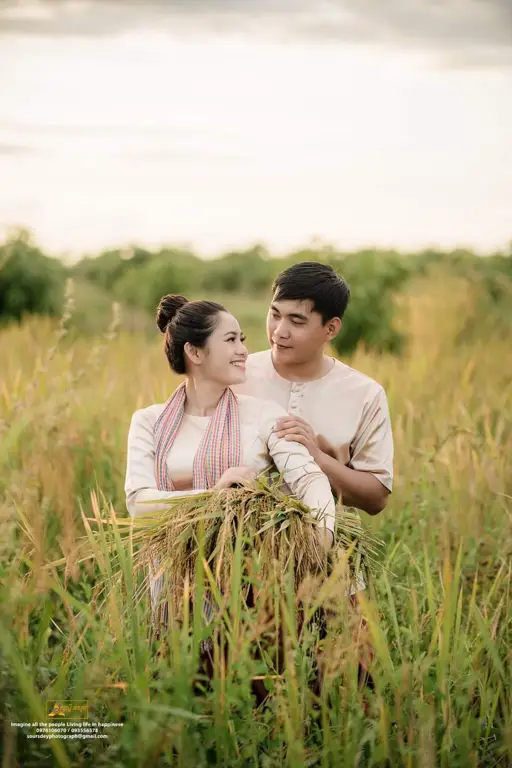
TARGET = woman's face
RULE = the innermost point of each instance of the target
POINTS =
(223, 358)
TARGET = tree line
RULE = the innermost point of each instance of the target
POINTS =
(32, 282)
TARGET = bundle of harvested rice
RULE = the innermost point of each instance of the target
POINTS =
(271, 534)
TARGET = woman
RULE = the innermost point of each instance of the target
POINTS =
(205, 436)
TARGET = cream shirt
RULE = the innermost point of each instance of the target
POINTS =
(348, 408)
(260, 447)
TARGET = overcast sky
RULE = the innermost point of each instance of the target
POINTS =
(219, 123)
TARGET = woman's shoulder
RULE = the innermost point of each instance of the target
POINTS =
(147, 416)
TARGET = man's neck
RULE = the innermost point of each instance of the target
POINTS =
(308, 371)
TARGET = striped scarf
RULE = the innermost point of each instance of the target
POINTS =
(220, 447)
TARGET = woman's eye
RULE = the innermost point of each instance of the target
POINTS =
(242, 339)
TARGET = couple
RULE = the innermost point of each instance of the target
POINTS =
(324, 425)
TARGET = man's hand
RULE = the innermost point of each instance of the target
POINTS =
(354, 488)
(326, 447)
(296, 429)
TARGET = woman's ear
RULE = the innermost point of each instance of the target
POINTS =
(193, 354)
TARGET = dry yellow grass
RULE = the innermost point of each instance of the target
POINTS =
(441, 626)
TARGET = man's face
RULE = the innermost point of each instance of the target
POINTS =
(296, 333)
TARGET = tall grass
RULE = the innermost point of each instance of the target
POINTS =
(439, 617)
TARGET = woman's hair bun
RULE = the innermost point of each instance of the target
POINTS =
(168, 307)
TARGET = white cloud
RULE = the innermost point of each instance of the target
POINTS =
(222, 143)
(471, 28)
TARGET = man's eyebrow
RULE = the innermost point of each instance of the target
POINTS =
(297, 315)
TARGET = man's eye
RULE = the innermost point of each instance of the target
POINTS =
(295, 322)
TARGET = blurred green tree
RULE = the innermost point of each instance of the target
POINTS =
(374, 279)
(170, 271)
(30, 282)
(249, 271)
(108, 267)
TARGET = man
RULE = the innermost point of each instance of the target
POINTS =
(338, 413)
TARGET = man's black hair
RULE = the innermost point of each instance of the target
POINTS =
(319, 283)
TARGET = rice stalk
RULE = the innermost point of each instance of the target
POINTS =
(280, 534)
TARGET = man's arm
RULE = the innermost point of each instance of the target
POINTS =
(357, 488)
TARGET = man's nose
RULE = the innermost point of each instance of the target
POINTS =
(281, 330)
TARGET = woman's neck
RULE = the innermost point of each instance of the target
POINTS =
(202, 396)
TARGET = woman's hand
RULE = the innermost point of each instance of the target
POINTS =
(326, 538)
(235, 476)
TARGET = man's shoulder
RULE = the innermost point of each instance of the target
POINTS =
(350, 378)
(259, 373)
(259, 361)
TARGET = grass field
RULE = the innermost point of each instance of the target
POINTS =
(440, 616)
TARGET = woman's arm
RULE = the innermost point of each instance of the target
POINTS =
(140, 483)
(299, 470)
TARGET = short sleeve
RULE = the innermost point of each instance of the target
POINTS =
(372, 447)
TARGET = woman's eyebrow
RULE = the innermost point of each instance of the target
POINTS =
(233, 333)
